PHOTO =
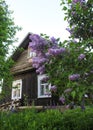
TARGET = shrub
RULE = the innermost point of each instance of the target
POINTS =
(75, 119)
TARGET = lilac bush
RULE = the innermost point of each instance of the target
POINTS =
(79, 16)
(68, 64)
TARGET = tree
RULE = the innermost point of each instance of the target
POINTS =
(7, 36)
(69, 65)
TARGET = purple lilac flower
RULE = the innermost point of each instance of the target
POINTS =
(62, 99)
(35, 65)
(71, 31)
(68, 29)
(73, 13)
(41, 69)
(34, 37)
(75, 1)
(35, 62)
(81, 56)
(53, 88)
(56, 51)
(53, 40)
(81, 1)
(74, 77)
(37, 42)
(47, 55)
(45, 79)
(42, 60)
(38, 39)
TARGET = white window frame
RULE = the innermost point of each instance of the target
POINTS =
(1, 85)
(15, 89)
(40, 77)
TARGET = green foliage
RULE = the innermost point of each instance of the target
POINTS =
(61, 67)
(8, 30)
(78, 14)
(49, 120)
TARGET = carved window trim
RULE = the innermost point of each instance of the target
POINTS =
(16, 89)
(43, 88)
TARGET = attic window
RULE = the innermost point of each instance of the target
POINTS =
(31, 54)
(17, 89)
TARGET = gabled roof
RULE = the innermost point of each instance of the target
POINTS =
(20, 58)
(24, 44)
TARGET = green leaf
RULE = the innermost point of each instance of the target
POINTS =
(69, 1)
(73, 93)
(64, 8)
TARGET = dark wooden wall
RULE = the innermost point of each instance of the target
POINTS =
(30, 89)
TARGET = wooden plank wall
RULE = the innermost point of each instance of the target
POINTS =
(22, 62)
(30, 90)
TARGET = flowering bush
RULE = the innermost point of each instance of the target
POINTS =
(68, 65)
(79, 16)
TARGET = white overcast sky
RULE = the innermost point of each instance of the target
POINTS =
(39, 16)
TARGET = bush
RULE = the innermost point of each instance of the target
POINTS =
(75, 119)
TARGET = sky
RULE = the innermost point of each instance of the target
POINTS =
(38, 16)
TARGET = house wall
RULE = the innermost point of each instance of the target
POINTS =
(30, 89)
(22, 63)
(22, 69)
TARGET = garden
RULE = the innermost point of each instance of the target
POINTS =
(68, 66)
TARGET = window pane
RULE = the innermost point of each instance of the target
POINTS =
(42, 90)
(46, 88)
(14, 93)
(18, 93)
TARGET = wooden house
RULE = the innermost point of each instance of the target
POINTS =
(27, 85)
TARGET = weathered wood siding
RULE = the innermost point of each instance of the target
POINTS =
(30, 89)
(22, 69)
(22, 63)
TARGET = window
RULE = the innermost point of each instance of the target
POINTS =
(1, 85)
(17, 89)
(43, 87)
(31, 54)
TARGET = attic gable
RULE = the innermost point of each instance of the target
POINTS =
(20, 58)
(24, 45)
